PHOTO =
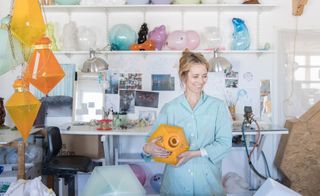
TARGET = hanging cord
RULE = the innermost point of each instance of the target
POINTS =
(258, 139)
(291, 65)
(247, 152)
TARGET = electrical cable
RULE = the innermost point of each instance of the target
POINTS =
(266, 163)
(248, 156)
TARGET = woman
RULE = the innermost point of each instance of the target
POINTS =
(207, 126)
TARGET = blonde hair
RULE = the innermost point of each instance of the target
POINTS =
(187, 60)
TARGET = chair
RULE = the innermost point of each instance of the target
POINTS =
(63, 166)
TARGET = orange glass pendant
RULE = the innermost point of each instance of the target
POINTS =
(23, 108)
(43, 70)
(27, 22)
(173, 140)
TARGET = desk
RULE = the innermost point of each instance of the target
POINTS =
(109, 135)
(6, 137)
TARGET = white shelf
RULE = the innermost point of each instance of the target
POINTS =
(154, 7)
(164, 52)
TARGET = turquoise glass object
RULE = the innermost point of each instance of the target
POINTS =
(67, 2)
(241, 37)
(10, 48)
(121, 37)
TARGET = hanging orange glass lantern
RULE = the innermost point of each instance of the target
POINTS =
(27, 22)
(23, 108)
(173, 140)
(43, 70)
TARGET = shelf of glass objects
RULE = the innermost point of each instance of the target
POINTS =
(166, 52)
(179, 7)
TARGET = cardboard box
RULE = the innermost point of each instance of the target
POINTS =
(86, 145)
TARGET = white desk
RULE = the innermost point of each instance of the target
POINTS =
(109, 135)
(8, 135)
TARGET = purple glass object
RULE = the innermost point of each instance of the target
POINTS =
(159, 36)
(161, 1)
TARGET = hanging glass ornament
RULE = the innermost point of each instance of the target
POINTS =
(43, 70)
(23, 108)
(27, 22)
(10, 49)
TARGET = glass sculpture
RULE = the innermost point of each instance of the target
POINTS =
(27, 22)
(173, 140)
(23, 108)
(43, 70)
(241, 37)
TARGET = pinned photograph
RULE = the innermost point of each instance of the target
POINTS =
(162, 82)
(127, 101)
(113, 83)
(131, 81)
(148, 116)
(147, 99)
(232, 74)
(231, 83)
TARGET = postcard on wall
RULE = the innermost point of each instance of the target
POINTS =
(127, 98)
(131, 81)
(162, 82)
(148, 116)
(112, 102)
(147, 99)
(113, 83)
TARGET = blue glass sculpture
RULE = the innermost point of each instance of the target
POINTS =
(10, 48)
(241, 37)
(121, 37)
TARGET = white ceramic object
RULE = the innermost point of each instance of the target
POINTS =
(271, 188)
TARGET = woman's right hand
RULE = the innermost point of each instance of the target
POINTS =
(155, 150)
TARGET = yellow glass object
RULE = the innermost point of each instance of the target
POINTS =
(43, 70)
(23, 108)
(173, 140)
(27, 22)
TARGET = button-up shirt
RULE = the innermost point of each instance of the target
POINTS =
(207, 127)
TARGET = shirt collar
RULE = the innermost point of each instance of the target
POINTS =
(184, 102)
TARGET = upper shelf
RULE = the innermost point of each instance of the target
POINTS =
(161, 7)
(166, 52)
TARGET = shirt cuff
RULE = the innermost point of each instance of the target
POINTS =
(203, 152)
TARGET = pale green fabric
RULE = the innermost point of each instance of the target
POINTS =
(207, 126)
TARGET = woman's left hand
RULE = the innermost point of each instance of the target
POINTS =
(186, 156)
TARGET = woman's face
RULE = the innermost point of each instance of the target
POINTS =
(196, 78)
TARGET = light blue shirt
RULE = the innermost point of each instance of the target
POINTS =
(208, 127)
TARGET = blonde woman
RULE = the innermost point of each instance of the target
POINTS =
(207, 126)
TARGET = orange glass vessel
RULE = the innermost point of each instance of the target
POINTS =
(23, 108)
(43, 70)
(27, 22)
(173, 140)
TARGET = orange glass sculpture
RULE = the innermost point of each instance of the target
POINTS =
(43, 70)
(147, 45)
(173, 140)
(23, 108)
(27, 22)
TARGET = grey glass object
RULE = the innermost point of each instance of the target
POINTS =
(94, 64)
(219, 64)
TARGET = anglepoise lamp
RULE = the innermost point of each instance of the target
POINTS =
(218, 64)
(94, 64)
